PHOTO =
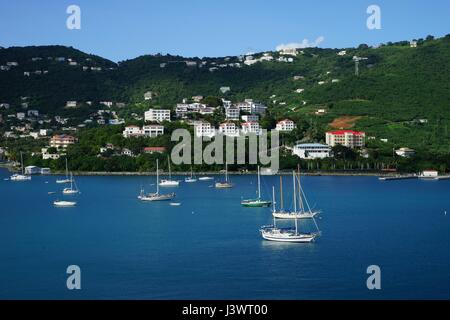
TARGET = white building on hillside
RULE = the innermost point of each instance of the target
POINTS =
(132, 131)
(250, 118)
(153, 130)
(229, 129)
(232, 113)
(285, 125)
(251, 127)
(348, 138)
(204, 129)
(157, 115)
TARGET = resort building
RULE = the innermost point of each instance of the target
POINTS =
(204, 129)
(285, 125)
(157, 115)
(405, 152)
(251, 127)
(62, 141)
(251, 107)
(312, 151)
(229, 129)
(232, 113)
(348, 138)
(153, 130)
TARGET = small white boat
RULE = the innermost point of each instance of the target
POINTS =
(273, 233)
(295, 215)
(205, 178)
(169, 182)
(191, 178)
(175, 204)
(58, 203)
(71, 190)
(22, 176)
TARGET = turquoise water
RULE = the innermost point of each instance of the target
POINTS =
(210, 248)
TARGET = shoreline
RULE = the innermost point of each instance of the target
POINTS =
(10, 168)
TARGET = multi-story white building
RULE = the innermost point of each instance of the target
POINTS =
(153, 130)
(157, 115)
(132, 131)
(251, 127)
(312, 151)
(348, 138)
(204, 129)
(232, 113)
(251, 107)
(285, 125)
(229, 129)
(46, 155)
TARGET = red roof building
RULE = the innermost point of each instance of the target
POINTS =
(348, 138)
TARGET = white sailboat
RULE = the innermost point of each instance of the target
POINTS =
(302, 213)
(169, 182)
(73, 187)
(156, 196)
(67, 179)
(274, 233)
(256, 202)
(191, 178)
(224, 184)
(20, 177)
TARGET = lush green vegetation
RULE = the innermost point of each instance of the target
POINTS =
(396, 87)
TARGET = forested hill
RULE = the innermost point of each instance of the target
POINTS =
(397, 86)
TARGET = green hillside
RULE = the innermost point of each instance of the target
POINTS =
(397, 87)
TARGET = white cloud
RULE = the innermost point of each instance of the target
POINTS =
(301, 45)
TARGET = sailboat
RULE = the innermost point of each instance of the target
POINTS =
(156, 196)
(20, 177)
(224, 184)
(66, 180)
(191, 178)
(169, 182)
(256, 202)
(73, 187)
(274, 233)
(302, 213)
(205, 178)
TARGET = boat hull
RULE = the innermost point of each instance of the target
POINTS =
(288, 235)
(255, 203)
(288, 215)
(64, 204)
(169, 183)
(157, 197)
(20, 177)
(223, 185)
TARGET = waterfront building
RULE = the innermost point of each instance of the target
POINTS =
(312, 151)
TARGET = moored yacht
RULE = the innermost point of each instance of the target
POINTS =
(67, 179)
(59, 203)
(18, 176)
(224, 184)
(258, 202)
(73, 187)
(169, 182)
(156, 196)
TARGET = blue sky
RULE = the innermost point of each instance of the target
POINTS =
(120, 30)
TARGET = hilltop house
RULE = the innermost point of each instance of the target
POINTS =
(312, 151)
(204, 129)
(232, 113)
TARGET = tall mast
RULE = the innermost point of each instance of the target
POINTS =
(67, 169)
(259, 185)
(170, 173)
(281, 193)
(295, 203)
(273, 200)
(21, 160)
(157, 177)
(226, 172)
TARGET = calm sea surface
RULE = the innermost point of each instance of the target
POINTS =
(210, 247)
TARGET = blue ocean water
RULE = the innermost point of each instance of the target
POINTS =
(210, 247)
